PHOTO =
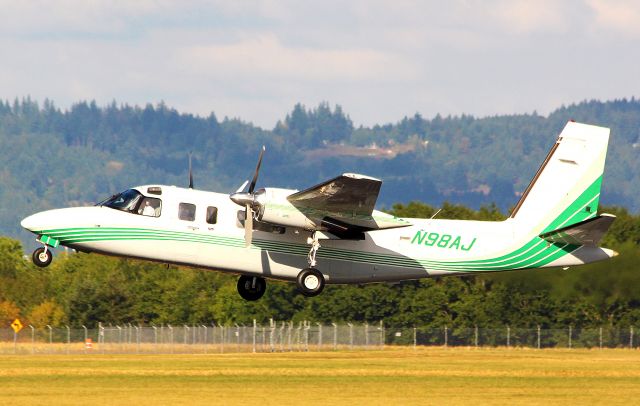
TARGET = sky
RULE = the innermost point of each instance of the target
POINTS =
(379, 60)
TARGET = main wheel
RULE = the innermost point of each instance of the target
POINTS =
(310, 282)
(251, 287)
(42, 257)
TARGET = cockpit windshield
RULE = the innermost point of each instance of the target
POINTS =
(134, 202)
(125, 201)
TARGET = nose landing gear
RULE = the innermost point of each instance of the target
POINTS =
(42, 257)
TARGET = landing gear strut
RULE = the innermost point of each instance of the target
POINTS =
(251, 288)
(310, 281)
(42, 257)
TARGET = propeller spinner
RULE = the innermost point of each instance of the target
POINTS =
(248, 200)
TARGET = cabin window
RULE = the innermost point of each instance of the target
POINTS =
(212, 215)
(187, 211)
(150, 207)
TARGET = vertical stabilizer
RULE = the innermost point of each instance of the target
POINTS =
(566, 188)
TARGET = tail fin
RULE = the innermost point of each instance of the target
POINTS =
(566, 188)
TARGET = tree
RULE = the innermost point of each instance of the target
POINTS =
(8, 313)
(47, 313)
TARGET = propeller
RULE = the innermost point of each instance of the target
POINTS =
(190, 173)
(248, 200)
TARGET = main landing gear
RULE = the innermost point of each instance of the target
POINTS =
(42, 256)
(251, 288)
(310, 281)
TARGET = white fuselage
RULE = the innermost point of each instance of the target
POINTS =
(426, 248)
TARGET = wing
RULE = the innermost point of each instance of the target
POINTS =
(345, 204)
(587, 232)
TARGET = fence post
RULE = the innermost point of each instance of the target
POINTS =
(33, 339)
(538, 336)
(570, 334)
(475, 337)
(271, 332)
(381, 334)
(600, 336)
(335, 336)
(415, 338)
(255, 328)
(205, 338)
(155, 339)
(185, 331)
(120, 336)
(237, 336)
(446, 336)
(170, 338)
(307, 326)
(319, 336)
(137, 339)
(101, 336)
(68, 338)
(222, 338)
(350, 336)
(366, 335)
(50, 338)
(630, 337)
(508, 336)
(84, 346)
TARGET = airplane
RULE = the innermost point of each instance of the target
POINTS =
(331, 234)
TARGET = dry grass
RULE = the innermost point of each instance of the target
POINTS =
(432, 375)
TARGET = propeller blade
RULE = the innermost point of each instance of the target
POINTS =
(190, 173)
(252, 185)
(241, 188)
(248, 225)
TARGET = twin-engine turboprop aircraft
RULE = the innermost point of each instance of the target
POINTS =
(330, 233)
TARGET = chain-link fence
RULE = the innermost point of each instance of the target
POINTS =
(290, 336)
(185, 339)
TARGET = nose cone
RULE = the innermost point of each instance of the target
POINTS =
(30, 223)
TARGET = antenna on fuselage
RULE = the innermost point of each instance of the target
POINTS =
(190, 173)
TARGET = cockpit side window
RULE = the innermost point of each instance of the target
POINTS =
(150, 207)
(187, 211)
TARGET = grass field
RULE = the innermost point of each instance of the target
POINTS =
(394, 376)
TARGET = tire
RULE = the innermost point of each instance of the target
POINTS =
(251, 288)
(310, 282)
(42, 258)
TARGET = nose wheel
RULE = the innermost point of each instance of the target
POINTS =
(251, 288)
(42, 257)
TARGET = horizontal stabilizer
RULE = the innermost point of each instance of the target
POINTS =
(587, 232)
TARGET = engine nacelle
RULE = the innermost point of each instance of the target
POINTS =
(276, 209)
